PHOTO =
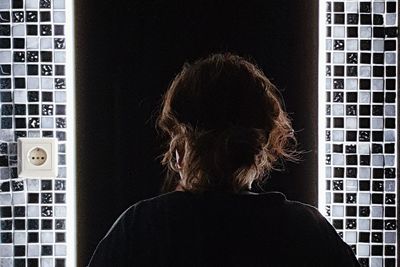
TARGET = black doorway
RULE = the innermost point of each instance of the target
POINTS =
(126, 54)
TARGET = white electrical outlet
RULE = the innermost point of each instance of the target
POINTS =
(37, 157)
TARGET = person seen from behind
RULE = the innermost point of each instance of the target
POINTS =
(226, 130)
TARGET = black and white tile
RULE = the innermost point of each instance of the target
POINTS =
(361, 126)
(33, 91)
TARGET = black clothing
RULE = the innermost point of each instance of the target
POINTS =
(222, 229)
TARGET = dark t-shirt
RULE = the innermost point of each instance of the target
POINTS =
(222, 229)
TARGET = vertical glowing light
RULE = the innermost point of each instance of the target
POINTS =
(71, 158)
(321, 106)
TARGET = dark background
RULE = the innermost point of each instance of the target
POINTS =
(127, 52)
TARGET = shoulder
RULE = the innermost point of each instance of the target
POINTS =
(319, 236)
(307, 220)
(304, 211)
(144, 204)
(128, 235)
(147, 208)
(151, 205)
(164, 197)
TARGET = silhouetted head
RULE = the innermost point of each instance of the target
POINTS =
(225, 125)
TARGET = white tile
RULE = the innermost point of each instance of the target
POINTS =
(59, 56)
(32, 42)
(5, 262)
(19, 69)
(32, 3)
(376, 262)
(46, 262)
(47, 83)
(47, 237)
(6, 135)
(390, 19)
(328, 198)
(33, 211)
(363, 224)
(364, 172)
(390, 135)
(351, 237)
(20, 96)
(378, 45)
(60, 97)
(32, 184)
(376, 212)
(328, 83)
(364, 198)
(6, 250)
(337, 211)
(328, 172)
(19, 198)
(46, 43)
(364, 98)
(62, 172)
(5, 4)
(47, 122)
(379, 7)
(337, 109)
(18, 30)
(390, 161)
(337, 135)
(5, 57)
(351, 84)
(363, 250)
(33, 83)
(363, 149)
(33, 250)
(352, 7)
(351, 185)
(327, 148)
(338, 32)
(365, 71)
(365, 32)
(352, 45)
(59, 4)
(59, 16)
(60, 211)
(390, 58)
(19, 238)
(60, 250)
(338, 57)
(377, 84)
(4, 173)
(377, 123)
(337, 159)
(328, 45)
(35, 134)
(390, 186)
(351, 123)
(390, 237)
(5, 199)
(390, 110)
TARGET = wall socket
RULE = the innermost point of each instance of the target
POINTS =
(37, 157)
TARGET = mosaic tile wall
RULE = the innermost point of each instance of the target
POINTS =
(360, 126)
(32, 104)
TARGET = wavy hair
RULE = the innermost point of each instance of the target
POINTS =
(224, 117)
